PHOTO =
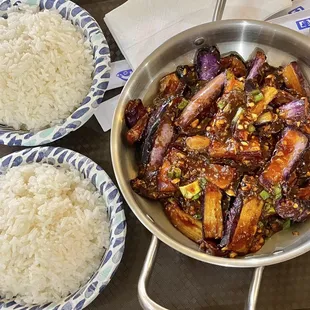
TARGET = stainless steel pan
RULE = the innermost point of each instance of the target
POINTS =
(281, 46)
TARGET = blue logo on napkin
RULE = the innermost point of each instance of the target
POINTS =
(303, 23)
(124, 75)
(298, 9)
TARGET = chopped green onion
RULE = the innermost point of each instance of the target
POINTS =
(174, 172)
(227, 108)
(182, 104)
(255, 92)
(251, 128)
(265, 195)
(177, 172)
(277, 192)
(196, 196)
(197, 216)
(287, 224)
(202, 182)
(237, 116)
(277, 189)
(258, 97)
(221, 104)
(269, 210)
(170, 173)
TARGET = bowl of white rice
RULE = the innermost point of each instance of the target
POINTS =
(54, 70)
(62, 229)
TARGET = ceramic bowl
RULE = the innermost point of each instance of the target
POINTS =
(113, 254)
(101, 74)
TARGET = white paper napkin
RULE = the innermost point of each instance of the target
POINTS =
(105, 111)
(140, 26)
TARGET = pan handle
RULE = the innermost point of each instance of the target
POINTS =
(219, 10)
(149, 304)
(254, 289)
(145, 301)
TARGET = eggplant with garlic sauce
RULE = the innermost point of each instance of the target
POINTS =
(224, 147)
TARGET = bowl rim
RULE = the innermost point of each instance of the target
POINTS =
(116, 214)
(116, 140)
(100, 76)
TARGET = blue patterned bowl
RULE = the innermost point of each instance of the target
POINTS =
(101, 74)
(113, 255)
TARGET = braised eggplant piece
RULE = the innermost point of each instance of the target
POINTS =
(151, 129)
(186, 224)
(235, 63)
(295, 111)
(293, 209)
(256, 64)
(247, 225)
(171, 85)
(287, 154)
(163, 138)
(135, 133)
(201, 101)
(304, 193)
(222, 176)
(251, 209)
(212, 220)
(294, 79)
(282, 97)
(224, 147)
(134, 111)
(248, 187)
(244, 153)
(208, 63)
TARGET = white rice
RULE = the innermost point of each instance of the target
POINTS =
(53, 230)
(46, 69)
